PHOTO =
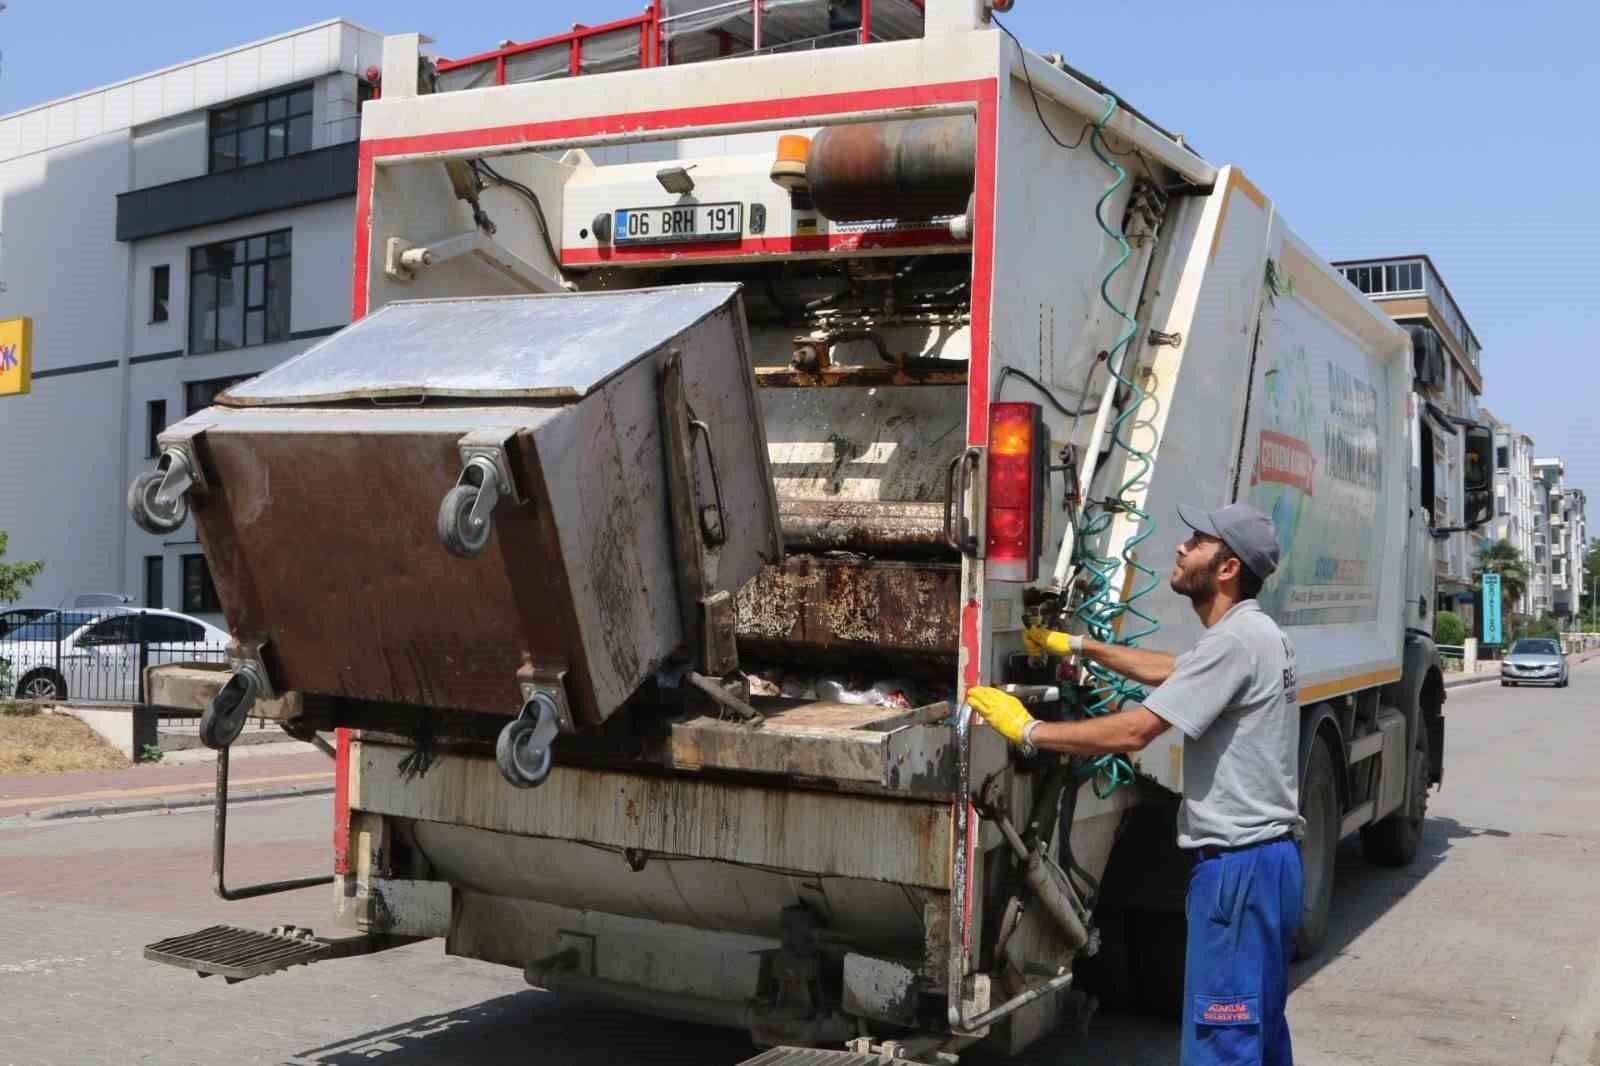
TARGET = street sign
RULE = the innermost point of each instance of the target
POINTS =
(16, 357)
(1491, 609)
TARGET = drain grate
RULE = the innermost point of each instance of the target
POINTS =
(237, 954)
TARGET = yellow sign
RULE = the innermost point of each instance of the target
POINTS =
(16, 356)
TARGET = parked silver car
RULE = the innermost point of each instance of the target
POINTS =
(1534, 661)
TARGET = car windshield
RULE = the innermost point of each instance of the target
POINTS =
(1535, 647)
(57, 625)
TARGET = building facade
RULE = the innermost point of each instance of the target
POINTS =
(1562, 544)
(1569, 543)
(1449, 375)
(1515, 491)
(1582, 578)
(1549, 535)
(165, 237)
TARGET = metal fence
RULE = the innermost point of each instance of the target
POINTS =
(99, 656)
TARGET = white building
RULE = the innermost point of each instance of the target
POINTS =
(1514, 507)
(1570, 540)
(166, 236)
(1550, 533)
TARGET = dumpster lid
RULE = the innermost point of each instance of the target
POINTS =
(558, 346)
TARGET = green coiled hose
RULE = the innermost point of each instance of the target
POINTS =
(1101, 610)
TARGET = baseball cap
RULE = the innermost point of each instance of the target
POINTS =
(1251, 534)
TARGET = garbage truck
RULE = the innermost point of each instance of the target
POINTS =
(709, 424)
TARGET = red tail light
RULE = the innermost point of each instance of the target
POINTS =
(1015, 519)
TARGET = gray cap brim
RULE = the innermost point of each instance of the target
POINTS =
(1199, 520)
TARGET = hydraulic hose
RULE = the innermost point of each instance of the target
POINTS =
(1102, 609)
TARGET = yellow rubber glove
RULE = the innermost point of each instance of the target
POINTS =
(1003, 711)
(1040, 641)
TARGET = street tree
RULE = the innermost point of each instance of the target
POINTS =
(14, 577)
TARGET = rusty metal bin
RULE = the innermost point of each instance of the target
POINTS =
(615, 438)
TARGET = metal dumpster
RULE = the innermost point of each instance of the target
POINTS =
(461, 503)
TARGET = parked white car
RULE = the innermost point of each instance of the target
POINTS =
(12, 617)
(95, 655)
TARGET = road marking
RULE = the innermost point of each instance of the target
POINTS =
(159, 790)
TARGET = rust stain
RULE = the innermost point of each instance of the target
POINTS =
(819, 602)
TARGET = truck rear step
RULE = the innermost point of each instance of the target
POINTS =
(802, 1056)
(237, 954)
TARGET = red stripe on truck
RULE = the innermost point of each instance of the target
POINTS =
(982, 271)
(341, 802)
(984, 93)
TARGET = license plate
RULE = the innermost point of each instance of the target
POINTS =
(688, 222)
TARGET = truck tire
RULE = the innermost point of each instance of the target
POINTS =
(1319, 805)
(1394, 841)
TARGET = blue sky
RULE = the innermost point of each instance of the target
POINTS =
(1466, 129)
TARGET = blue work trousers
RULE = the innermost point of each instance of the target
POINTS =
(1244, 908)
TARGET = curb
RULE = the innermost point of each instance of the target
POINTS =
(159, 804)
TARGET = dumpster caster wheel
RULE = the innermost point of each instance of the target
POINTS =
(148, 512)
(463, 532)
(225, 716)
(522, 751)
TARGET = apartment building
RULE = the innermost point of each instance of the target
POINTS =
(1570, 541)
(164, 237)
(1515, 492)
(1563, 542)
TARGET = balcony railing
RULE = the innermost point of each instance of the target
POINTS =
(675, 32)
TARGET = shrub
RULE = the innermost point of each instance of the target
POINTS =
(1449, 628)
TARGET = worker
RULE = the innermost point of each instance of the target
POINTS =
(1235, 697)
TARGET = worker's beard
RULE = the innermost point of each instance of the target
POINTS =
(1198, 583)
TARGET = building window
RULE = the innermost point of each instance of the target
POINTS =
(1502, 458)
(239, 293)
(1384, 278)
(198, 395)
(155, 580)
(155, 420)
(160, 288)
(260, 130)
(199, 594)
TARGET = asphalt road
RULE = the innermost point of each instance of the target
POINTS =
(1486, 951)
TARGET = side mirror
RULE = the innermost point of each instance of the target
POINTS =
(1477, 474)
(1477, 508)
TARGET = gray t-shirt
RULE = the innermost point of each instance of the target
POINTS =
(1236, 698)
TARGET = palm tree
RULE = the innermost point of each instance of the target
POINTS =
(1504, 558)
